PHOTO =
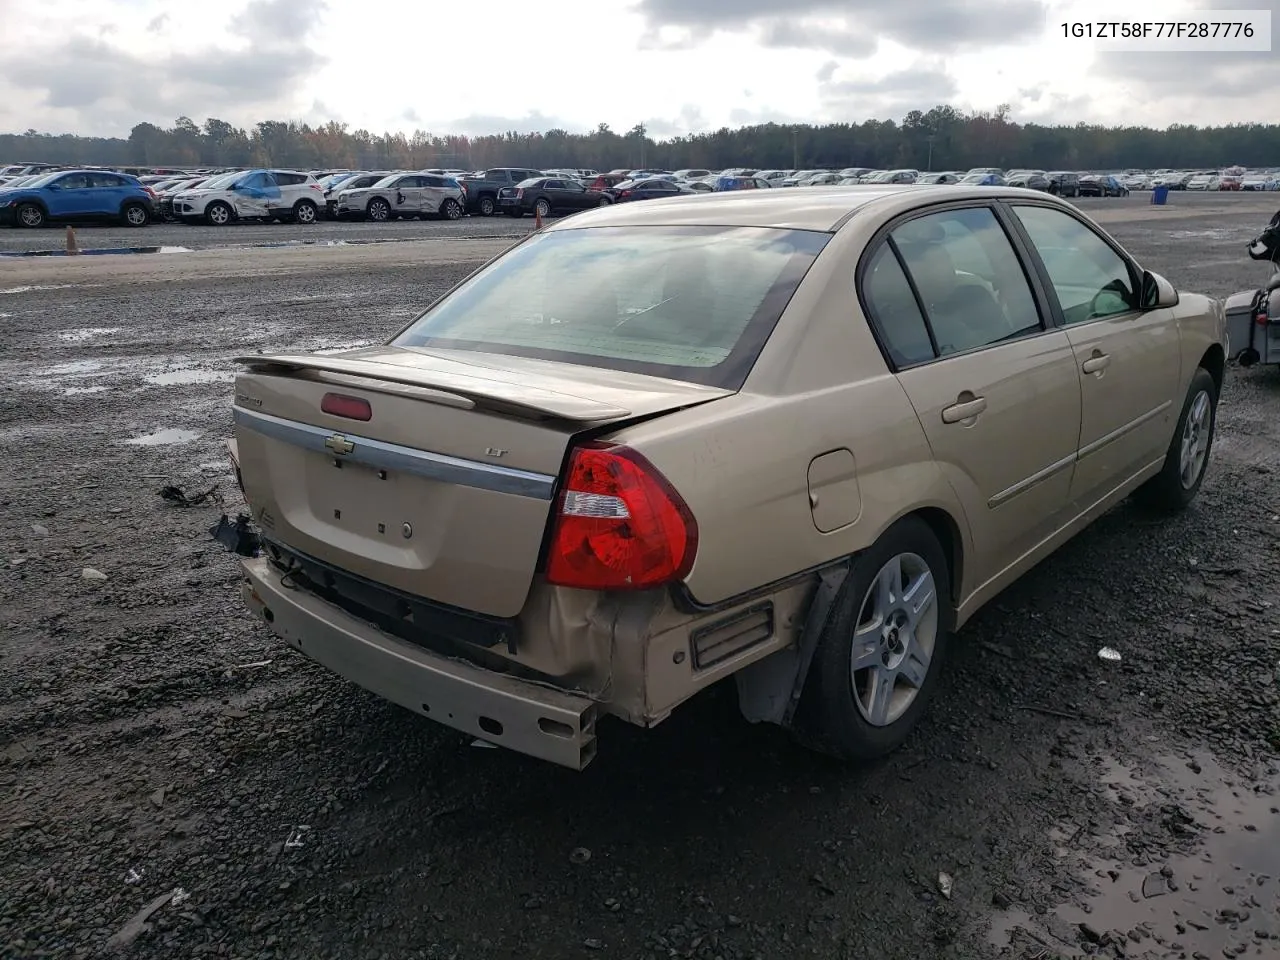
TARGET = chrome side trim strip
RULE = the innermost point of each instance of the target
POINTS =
(1022, 486)
(1121, 431)
(1040, 476)
(392, 456)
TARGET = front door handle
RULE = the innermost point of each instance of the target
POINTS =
(1097, 363)
(966, 407)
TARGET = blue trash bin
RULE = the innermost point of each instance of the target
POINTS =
(1160, 195)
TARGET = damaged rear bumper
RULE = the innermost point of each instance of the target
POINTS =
(548, 724)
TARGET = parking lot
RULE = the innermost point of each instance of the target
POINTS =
(158, 750)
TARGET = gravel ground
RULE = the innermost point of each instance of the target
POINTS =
(175, 784)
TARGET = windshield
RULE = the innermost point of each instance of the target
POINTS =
(388, 181)
(42, 179)
(223, 181)
(687, 303)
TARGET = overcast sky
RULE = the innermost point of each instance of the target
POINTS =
(678, 66)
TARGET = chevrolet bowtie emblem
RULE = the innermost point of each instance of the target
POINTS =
(339, 444)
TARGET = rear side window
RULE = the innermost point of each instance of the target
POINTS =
(688, 303)
(894, 311)
(968, 277)
(290, 179)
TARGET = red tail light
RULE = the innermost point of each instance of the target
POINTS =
(1261, 318)
(624, 193)
(340, 405)
(150, 192)
(620, 525)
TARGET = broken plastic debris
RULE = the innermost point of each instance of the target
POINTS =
(133, 876)
(179, 896)
(88, 573)
(485, 744)
(945, 884)
(1109, 654)
(579, 855)
(296, 836)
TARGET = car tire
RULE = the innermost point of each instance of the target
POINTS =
(305, 212)
(542, 209)
(29, 215)
(605, 202)
(486, 206)
(1187, 459)
(218, 214)
(451, 209)
(840, 714)
(134, 215)
(379, 211)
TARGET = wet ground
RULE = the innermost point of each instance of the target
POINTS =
(160, 755)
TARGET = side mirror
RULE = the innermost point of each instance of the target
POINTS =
(1157, 292)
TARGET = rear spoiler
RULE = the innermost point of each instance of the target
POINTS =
(518, 397)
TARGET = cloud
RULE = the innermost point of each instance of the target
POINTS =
(797, 35)
(119, 88)
(689, 120)
(826, 71)
(852, 25)
(888, 96)
(480, 124)
(158, 23)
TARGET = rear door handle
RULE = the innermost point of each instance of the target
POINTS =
(964, 410)
(1097, 363)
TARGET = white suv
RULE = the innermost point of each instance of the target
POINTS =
(250, 195)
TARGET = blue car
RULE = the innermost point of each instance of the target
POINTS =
(78, 195)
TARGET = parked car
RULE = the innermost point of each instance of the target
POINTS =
(545, 196)
(421, 195)
(348, 181)
(1028, 181)
(612, 508)
(939, 178)
(1102, 186)
(166, 192)
(481, 191)
(1063, 183)
(737, 183)
(69, 195)
(982, 180)
(656, 188)
(252, 195)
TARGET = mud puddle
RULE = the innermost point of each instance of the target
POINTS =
(175, 378)
(155, 371)
(84, 333)
(1212, 893)
(164, 438)
(103, 251)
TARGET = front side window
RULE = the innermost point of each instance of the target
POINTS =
(688, 303)
(1090, 279)
(969, 279)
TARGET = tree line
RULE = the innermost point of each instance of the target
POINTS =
(941, 139)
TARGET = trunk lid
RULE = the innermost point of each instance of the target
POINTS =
(445, 491)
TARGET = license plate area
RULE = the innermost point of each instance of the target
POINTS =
(366, 503)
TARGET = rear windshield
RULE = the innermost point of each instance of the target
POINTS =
(688, 303)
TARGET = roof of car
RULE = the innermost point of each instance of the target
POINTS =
(806, 208)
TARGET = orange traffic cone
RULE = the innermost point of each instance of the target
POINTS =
(72, 247)
(537, 219)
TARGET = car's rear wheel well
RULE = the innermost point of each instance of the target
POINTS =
(1215, 362)
(947, 531)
